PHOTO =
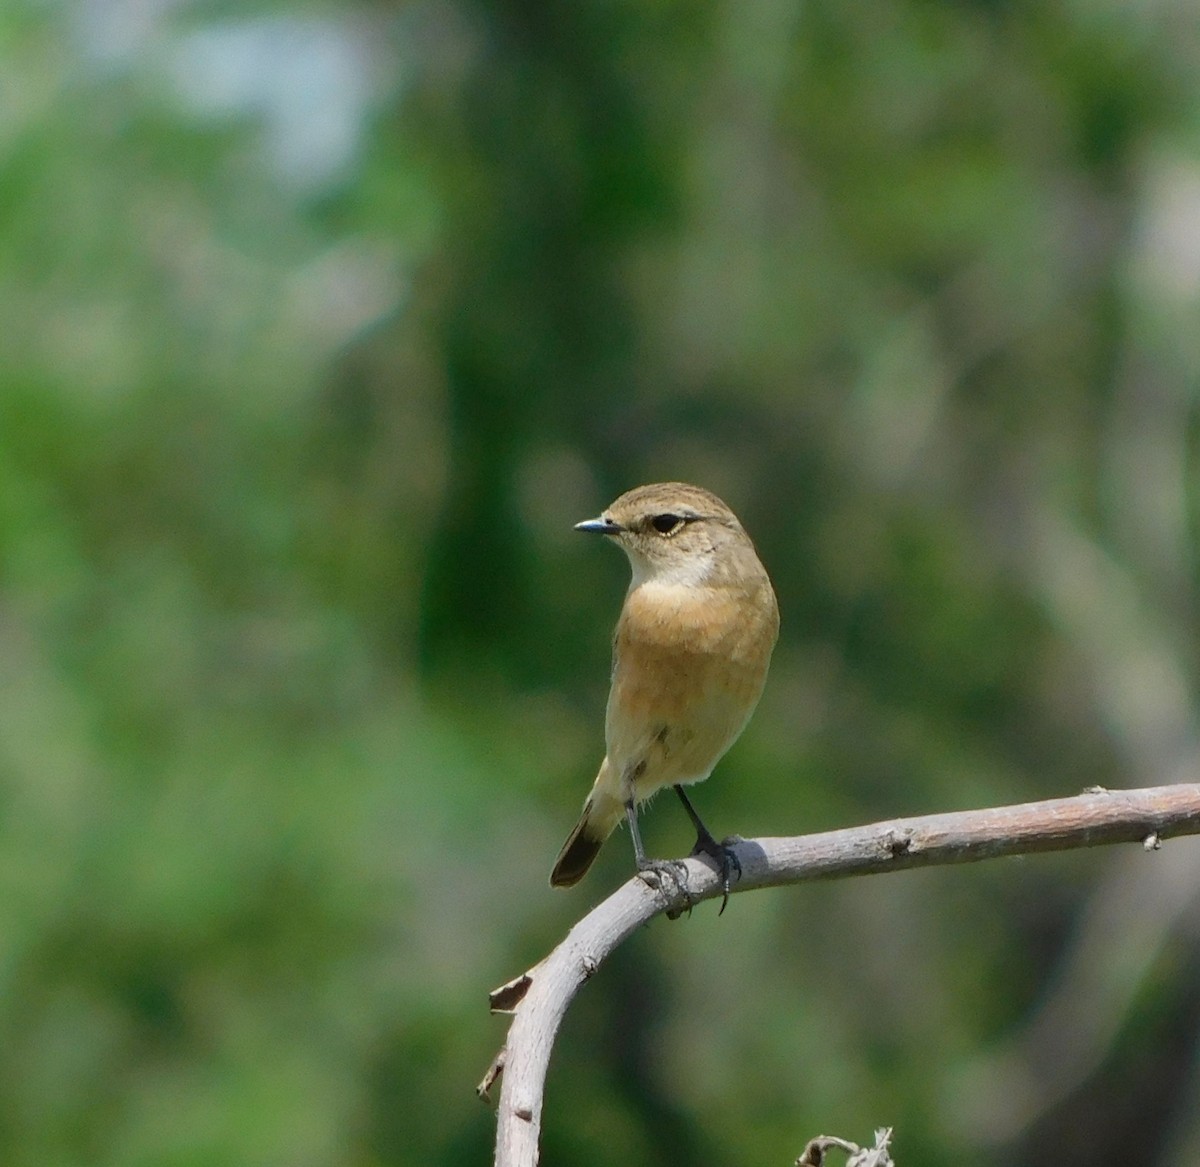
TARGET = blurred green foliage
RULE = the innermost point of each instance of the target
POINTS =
(322, 324)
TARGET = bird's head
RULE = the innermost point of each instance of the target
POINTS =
(674, 533)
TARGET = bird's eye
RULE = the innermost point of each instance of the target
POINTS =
(665, 524)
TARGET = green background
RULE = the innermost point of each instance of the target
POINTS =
(319, 327)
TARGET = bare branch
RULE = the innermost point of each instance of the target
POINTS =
(815, 1154)
(539, 998)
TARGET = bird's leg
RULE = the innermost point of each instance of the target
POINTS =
(639, 852)
(726, 860)
(662, 869)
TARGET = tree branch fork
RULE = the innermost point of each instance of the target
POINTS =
(539, 997)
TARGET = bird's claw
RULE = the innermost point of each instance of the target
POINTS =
(723, 855)
(668, 876)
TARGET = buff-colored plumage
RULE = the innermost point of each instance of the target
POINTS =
(690, 654)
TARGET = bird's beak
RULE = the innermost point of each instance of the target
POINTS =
(600, 526)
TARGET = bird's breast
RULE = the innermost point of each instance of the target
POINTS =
(689, 665)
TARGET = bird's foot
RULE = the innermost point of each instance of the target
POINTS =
(723, 855)
(669, 877)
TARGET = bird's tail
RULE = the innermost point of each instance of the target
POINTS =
(601, 813)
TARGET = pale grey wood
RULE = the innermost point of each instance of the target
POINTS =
(540, 997)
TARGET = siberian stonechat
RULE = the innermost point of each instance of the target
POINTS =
(690, 657)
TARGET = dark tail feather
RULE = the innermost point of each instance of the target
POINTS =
(581, 848)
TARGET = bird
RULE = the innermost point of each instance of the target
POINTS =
(691, 651)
